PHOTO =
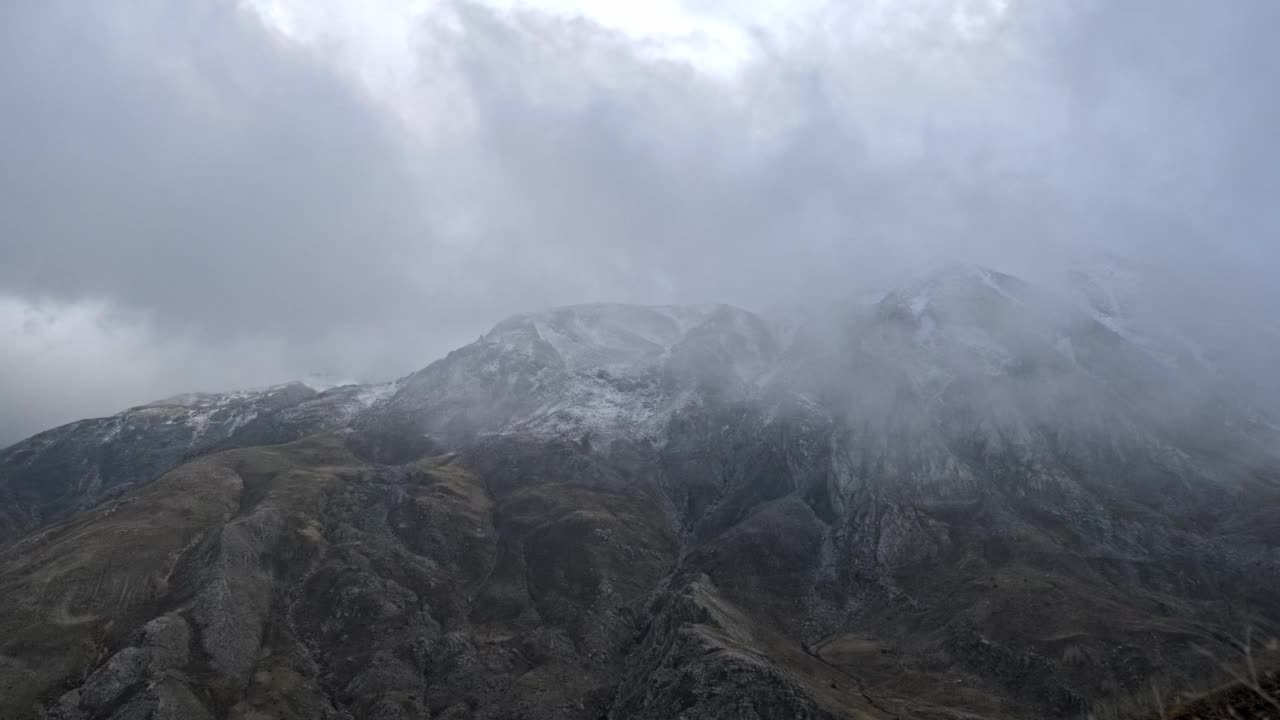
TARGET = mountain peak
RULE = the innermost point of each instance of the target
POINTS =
(956, 284)
(609, 336)
(971, 481)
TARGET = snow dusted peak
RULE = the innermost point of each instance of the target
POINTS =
(615, 338)
(598, 369)
(188, 400)
(210, 401)
(1108, 288)
(218, 414)
(1117, 297)
(971, 322)
(323, 381)
(955, 287)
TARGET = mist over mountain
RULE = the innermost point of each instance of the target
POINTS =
(973, 496)
(387, 359)
(215, 195)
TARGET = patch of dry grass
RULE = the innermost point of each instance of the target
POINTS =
(1244, 686)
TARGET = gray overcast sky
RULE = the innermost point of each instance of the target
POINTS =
(201, 194)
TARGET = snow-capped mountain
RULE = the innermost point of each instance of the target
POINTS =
(601, 370)
(971, 497)
(929, 350)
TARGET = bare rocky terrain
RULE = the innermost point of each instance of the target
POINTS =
(971, 499)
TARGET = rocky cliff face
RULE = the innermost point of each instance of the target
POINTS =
(972, 498)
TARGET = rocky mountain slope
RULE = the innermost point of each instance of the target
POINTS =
(55, 473)
(972, 498)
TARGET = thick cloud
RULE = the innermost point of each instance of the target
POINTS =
(174, 158)
(195, 195)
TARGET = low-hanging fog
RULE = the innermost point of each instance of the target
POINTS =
(211, 194)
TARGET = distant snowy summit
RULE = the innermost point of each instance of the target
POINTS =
(624, 369)
(678, 504)
(1002, 357)
(604, 368)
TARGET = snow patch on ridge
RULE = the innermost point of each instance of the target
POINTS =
(617, 338)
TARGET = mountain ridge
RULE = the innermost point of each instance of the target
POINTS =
(969, 499)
